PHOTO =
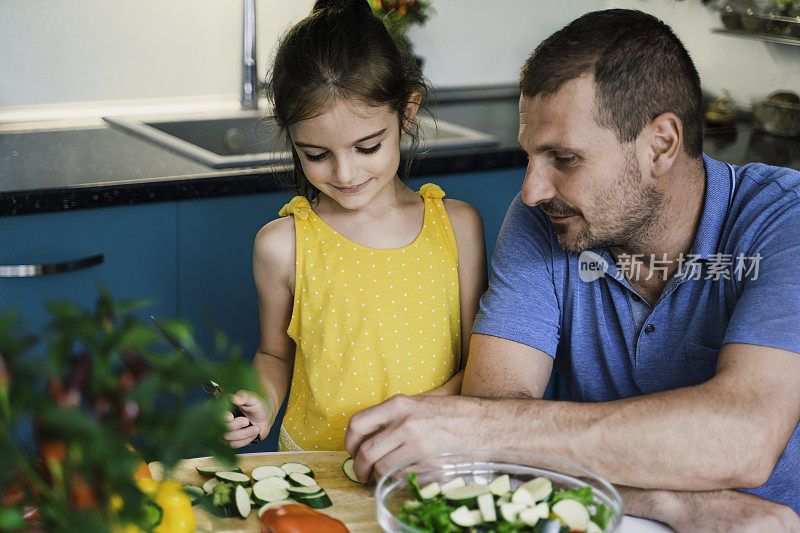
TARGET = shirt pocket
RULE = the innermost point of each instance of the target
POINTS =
(700, 363)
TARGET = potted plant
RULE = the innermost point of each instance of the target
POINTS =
(400, 15)
(76, 401)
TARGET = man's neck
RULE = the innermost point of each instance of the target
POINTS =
(648, 265)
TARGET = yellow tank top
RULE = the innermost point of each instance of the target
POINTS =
(367, 323)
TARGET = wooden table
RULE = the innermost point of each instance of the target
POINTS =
(353, 504)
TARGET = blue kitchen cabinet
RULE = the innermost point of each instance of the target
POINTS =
(138, 244)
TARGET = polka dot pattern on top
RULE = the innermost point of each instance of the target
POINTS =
(367, 323)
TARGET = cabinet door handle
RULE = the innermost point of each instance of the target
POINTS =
(30, 271)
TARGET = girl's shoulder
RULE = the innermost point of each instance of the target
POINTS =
(275, 242)
(463, 216)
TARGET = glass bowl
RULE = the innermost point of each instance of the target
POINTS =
(480, 467)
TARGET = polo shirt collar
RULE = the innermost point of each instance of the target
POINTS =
(718, 196)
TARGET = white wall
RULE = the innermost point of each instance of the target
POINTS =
(97, 50)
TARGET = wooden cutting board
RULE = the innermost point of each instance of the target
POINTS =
(353, 504)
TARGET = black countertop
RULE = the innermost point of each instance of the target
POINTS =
(42, 171)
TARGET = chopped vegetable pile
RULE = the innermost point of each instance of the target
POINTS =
(500, 507)
(232, 493)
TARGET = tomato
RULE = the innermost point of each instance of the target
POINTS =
(299, 518)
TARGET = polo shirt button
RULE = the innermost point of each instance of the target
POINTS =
(649, 328)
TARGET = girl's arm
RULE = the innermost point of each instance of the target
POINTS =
(468, 230)
(273, 271)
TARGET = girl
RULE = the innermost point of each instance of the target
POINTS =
(370, 289)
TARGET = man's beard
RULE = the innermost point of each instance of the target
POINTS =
(624, 215)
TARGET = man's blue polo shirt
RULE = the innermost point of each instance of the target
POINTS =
(740, 283)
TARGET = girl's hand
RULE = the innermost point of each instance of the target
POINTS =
(241, 433)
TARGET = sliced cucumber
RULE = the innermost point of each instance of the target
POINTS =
(505, 498)
(317, 501)
(265, 492)
(486, 507)
(467, 495)
(236, 478)
(547, 525)
(243, 505)
(465, 518)
(262, 472)
(274, 504)
(572, 513)
(453, 484)
(209, 485)
(523, 496)
(540, 488)
(194, 493)
(302, 480)
(211, 470)
(510, 511)
(297, 468)
(431, 490)
(500, 485)
(347, 468)
(300, 492)
(530, 516)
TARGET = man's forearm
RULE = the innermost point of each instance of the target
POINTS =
(684, 439)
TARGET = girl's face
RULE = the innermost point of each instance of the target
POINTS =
(351, 152)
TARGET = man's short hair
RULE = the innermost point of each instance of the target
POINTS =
(640, 70)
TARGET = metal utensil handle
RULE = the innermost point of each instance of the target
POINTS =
(31, 271)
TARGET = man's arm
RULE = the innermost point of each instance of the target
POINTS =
(728, 432)
(711, 512)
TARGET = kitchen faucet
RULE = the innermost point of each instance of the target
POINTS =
(250, 84)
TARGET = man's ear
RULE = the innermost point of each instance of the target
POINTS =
(414, 100)
(664, 142)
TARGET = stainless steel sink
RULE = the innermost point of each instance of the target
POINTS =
(246, 138)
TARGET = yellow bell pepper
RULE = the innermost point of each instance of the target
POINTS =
(177, 515)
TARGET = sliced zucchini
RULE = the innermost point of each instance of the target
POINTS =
(209, 485)
(547, 525)
(540, 488)
(531, 515)
(317, 501)
(505, 498)
(262, 472)
(572, 513)
(486, 507)
(194, 493)
(431, 490)
(213, 469)
(274, 504)
(274, 481)
(347, 468)
(297, 468)
(453, 484)
(510, 511)
(265, 492)
(467, 495)
(300, 492)
(593, 528)
(500, 485)
(465, 518)
(302, 480)
(523, 496)
(243, 505)
(236, 478)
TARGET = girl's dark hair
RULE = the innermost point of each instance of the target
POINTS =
(341, 51)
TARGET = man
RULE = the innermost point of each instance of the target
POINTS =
(661, 282)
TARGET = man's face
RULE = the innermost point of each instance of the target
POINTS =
(580, 175)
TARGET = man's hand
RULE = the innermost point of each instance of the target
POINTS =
(241, 433)
(406, 427)
(710, 512)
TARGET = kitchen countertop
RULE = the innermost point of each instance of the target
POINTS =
(99, 166)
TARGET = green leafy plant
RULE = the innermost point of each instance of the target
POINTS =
(73, 401)
(400, 15)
